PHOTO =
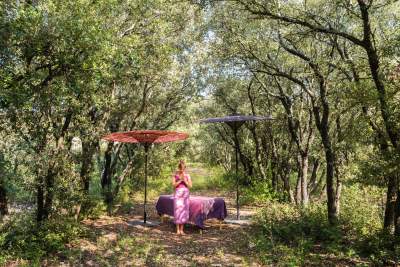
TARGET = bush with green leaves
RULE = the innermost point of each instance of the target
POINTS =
(302, 235)
(23, 239)
(259, 193)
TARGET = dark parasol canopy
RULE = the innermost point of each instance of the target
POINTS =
(235, 121)
(235, 118)
(145, 137)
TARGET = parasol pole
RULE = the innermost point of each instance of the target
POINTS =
(235, 121)
(236, 172)
(146, 150)
(235, 126)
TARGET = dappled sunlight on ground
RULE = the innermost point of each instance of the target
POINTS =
(115, 241)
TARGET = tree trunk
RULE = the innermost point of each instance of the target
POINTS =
(247, 166)
(338, 194)
(3, 199)
(88, 149)
(374, 65)
(3, 191)
(304, 176)
(258, 154)
(120, 180)
(285, 170)
(49, 187)
(274, 178)
(106, 179)
(40, 214)
(286, 185)
(298, 183)
(44, 197)
(313, 179)
(391, 195)
(323, 127)
(318, 183)
(274, 166)
(330, 190)
(397, 215)
(302, 196)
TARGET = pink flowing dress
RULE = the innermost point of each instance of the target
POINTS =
(181, 201)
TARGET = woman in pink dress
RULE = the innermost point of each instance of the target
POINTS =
(181, 182)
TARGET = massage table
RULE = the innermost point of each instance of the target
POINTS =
(200, 208)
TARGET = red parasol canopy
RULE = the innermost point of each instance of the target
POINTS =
(146, 136)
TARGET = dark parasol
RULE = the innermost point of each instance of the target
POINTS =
(235, 121)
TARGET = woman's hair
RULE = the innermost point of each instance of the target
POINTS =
(181, 168)
(181, 165)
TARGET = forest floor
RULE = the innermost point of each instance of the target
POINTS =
(119, 241)
(116, 241)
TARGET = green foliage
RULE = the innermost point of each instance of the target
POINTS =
(291, 236)
(363, 208)
(119, 251)
(22, 239)
(375, 167)
(92, 206)
(76, 70)
(212, 178)
(259, 193)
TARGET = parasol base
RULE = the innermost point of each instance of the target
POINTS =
(239, 222)
(141, 223)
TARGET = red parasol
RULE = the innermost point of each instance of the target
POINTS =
(146, 137)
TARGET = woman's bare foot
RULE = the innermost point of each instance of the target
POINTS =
(182, 233)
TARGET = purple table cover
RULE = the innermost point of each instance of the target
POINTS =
(200, 208)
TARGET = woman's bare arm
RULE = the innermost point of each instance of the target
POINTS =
(174, 183)
(188, 181)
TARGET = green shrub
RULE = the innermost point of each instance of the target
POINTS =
(292, 235)
(258, 193)
(93, 206)
(286, 233)
(23, 239)
(215, 179)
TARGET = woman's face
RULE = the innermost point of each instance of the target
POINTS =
(182, 166)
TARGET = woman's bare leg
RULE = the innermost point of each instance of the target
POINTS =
(178, 229)
(183, 233)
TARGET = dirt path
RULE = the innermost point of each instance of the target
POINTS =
(117, 241)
